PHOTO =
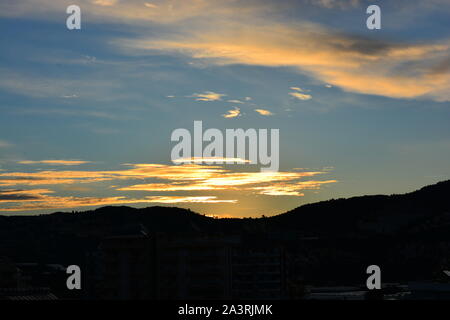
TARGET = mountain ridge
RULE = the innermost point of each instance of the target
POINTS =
(428, 189)
(362, 216)
(337, 232)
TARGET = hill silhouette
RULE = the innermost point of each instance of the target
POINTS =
(337, 217)
(381, 227)
(423, 209)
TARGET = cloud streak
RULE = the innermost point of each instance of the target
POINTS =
(354, 63)
(264, 112)
(208, 96)
(300, 96)
(4, 144)
(169, 179)
(251, 32)
(55, 162)
(233, 113)
(39, 199)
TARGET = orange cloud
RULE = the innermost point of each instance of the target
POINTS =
(37, 199)
(138, 171)
(264, 112)
(105, 3)
(262, 182)
(252, 33)
(150, 5)
(300, 96)
(211, 159)
(70, 202)
(208, 96)
(236, 112)
(138, 11)
(200, 199)
(353, 63)
(171, 178)
(51, 177)
(55, 162)
(284, 189)
(22, 195)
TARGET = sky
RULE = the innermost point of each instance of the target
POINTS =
(86, 115)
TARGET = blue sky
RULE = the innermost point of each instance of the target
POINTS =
(368, 113)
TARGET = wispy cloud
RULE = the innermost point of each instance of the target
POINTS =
(55, 162)
(69, 96)
(41, 199)
(169, 178)
(354, 63)
(210, 159)
(138, 11)
(90, 113)
(264, 112)
(137, 171)
(150, 5)
(208, 96)
(236, 112)
(176, 199)
(248, 32)
(12, 195)
(286, 189)
(260, 182)
(43, 86)
(4, 144)
(51, 178)
(105, 3)
(46, 202)
(300, 96)
(336, 3)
